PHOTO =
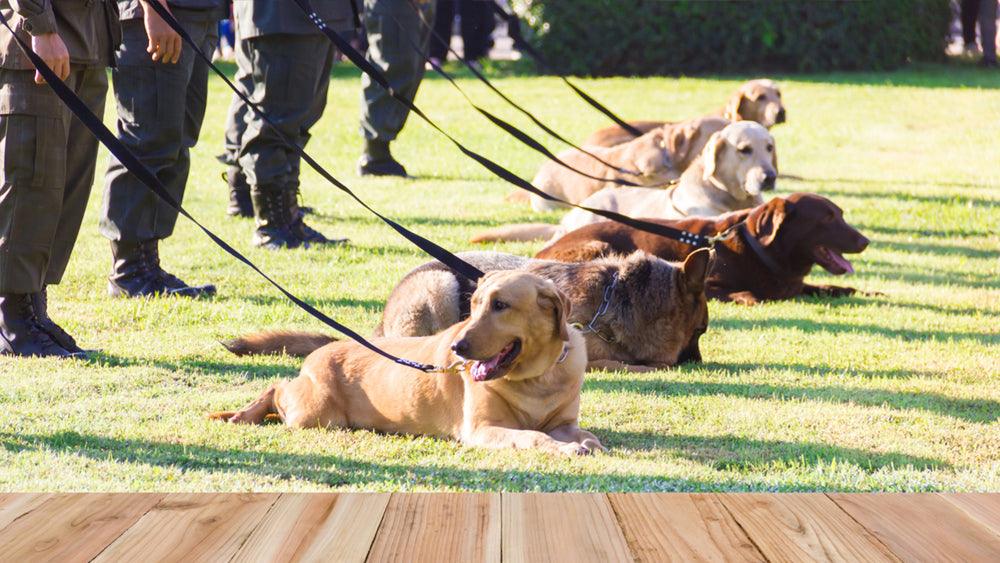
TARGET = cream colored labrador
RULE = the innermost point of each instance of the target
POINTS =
(736, 166)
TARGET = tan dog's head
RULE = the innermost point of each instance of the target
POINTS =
(757, 100)
(741, 159)
(517, 327)
(651, 157)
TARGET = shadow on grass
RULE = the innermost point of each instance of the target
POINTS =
(923, 231)
(336, 470)
(926, 275)
(938, 249)
(813, 327)
(883, 195)
(186, 368)
(744, 454)
(321, 304)
(861, 301)
(972, 410)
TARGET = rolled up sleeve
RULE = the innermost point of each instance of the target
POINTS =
(39, 19)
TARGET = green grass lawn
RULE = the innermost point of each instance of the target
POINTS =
(895, 392)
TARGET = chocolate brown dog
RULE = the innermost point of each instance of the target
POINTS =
(768, 252)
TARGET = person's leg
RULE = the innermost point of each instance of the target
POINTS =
(152, 116)
(239, 190)
(444, 19)
(287, 77)
(477, 28)
(33, 141)
(988, 31)
(382, 116)
(969, 12)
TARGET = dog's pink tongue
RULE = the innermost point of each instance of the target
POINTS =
(842, 262)
(481, 371)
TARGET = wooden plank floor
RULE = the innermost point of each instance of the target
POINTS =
(470, 527)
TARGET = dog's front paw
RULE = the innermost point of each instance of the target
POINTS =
(574, 448)
(593, 444)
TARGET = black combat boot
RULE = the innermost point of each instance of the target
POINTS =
(40, 304)
(137, 273)
(378, 161)
(275, 212)
(240, 204)
(20, 332)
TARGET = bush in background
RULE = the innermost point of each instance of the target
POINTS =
(641, 37)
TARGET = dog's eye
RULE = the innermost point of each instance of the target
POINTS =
(770, 148)
(746, 150)
(499, 305)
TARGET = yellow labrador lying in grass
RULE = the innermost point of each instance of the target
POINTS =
(736, 166)
(518, 386)
(757, 100)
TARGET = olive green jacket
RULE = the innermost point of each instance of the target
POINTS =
(89, 28)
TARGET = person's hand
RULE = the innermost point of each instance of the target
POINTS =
(164, 43)
(52, 50)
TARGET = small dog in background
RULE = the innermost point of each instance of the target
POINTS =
(756, 100)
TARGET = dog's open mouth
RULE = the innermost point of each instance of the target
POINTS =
(832, 261)
(485, 370)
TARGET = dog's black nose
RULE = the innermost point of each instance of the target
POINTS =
(460, 347)
(781, 116)
(862, 243)
(769, 179)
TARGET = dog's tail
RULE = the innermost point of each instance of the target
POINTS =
(278, 342)
(520, 232)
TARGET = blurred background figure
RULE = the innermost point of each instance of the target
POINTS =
(475, 25)
(969, 13)
(988, 32)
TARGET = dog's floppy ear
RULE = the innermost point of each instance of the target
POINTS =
(734, 105)
(769, 222)
(695, 270)
(679, 144)
(710, 154)
(550, 297)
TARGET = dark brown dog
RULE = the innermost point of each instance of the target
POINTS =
(765, 259)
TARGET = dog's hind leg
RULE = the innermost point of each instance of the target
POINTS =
(254, 413)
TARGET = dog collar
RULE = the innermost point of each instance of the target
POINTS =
(592, 326)
(759, 250)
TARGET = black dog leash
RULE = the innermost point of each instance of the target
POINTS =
(482, 78)
(376, 74)
(446, 257)
(143, 174)
(513, 131)
(514, 30)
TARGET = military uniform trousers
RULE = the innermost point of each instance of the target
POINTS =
(160, 112)
(382, 116)
(48, 161)
(288, 76)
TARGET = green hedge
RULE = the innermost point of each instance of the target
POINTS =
(641, 37)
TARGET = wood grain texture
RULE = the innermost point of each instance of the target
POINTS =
(73, 527)
(922, 527)
(316, 527)
(681, 527)
(348, 531)
(561, 527)
(803, 527)
(439, 527)
(982, 507)
(15, 505)
(191, 527)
